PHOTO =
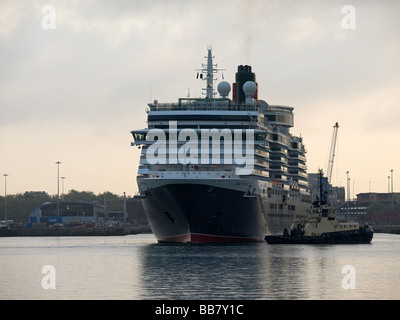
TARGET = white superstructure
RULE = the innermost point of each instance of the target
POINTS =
(240, 144)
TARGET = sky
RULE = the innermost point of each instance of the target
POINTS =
(75, 80)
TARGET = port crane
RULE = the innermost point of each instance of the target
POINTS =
(332, 152)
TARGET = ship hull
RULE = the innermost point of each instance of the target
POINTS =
(203, 213)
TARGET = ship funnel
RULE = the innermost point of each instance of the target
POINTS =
(243, 75)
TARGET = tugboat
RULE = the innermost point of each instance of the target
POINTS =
(320, 226)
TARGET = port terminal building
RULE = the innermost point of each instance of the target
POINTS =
(377, 209)
(87, 214)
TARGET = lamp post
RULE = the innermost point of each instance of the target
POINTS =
(348, 192)
(58, 187)
(391, 179)
(62, 192)
(5, 196)
(391, 191)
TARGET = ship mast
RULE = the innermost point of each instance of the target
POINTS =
(209, 69)
(210, 75)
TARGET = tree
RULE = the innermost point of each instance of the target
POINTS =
(19, 206)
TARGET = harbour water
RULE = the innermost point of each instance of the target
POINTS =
(137, 267)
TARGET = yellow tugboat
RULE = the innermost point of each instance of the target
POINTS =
(320, 226)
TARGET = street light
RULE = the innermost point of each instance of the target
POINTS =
(391, 179)
(58, 187)
(5, 196)
(62, 193)
(348, 192)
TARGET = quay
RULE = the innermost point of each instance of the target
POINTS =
(393, 229)
(67, 232)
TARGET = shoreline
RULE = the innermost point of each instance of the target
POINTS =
(67, 232)
(123, 231)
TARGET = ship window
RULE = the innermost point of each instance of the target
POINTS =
(138, 136)
(260, 136)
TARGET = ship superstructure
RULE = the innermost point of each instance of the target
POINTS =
(218, 169)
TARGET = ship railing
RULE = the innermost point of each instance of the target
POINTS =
(192, 167)
(279, 109)
(204, 106)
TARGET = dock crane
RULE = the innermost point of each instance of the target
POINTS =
(332, 152)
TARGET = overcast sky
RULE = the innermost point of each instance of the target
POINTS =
(73, 94)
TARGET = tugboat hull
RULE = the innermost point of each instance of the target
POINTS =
(363, 235)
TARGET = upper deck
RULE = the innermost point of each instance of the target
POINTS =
(197, 104)
(210, 109)
(222, 104)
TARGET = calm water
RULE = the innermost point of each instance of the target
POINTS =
(136, 267)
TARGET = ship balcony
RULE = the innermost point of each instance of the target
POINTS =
(280, 120)
(298, 174)
(195, 174)
(277, 151)
(140, 136)
(261, 173)
(297, 157)
(262, 153)
(278, 160)
(278, 169)
(299, 165)
(277, 141)
(296, 144)
(261, 163)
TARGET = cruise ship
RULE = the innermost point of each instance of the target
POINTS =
(221, 168)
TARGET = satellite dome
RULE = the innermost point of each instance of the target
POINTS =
(249, 88)
(224, 88)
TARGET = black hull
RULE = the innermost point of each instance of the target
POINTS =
(203, 213)
(360, 236)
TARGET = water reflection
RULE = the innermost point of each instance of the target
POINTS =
(256, 271)
(201, 272)
(136, 267)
